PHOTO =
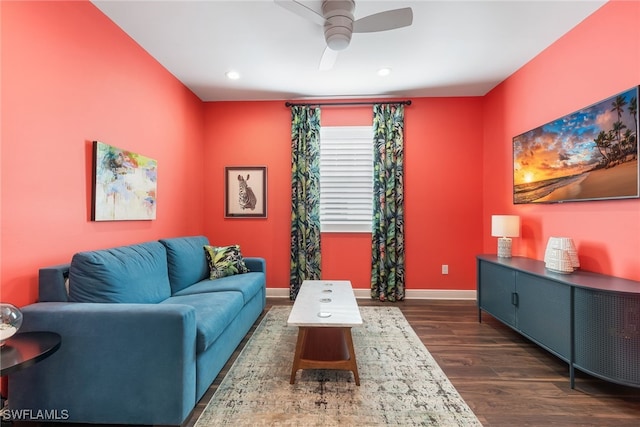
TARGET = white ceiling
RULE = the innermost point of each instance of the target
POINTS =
(453, 48)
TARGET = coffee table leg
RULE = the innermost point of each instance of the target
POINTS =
(352, 359)
(302, 360)
(302, 339)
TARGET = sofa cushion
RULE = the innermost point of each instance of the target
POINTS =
(248, 285)
(186, 261)
(214, 312)
(126, 274)
(225, 261)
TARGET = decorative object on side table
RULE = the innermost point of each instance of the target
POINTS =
(10, 321)
(505, 227)
(561, 256)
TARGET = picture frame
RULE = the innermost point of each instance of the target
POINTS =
(245, 192)
(590, 154)
(124, 185)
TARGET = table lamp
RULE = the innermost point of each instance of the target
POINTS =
(505, 227)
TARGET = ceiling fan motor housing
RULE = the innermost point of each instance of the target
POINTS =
(338, 25)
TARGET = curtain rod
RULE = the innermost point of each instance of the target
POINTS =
(293, 104)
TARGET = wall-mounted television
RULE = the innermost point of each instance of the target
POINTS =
(591, 154)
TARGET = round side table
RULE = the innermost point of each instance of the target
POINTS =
(25, 349)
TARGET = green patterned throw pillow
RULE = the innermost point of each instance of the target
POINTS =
(225, 261)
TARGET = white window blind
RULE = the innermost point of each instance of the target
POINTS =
(346, 178)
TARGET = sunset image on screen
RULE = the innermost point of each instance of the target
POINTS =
(589, 154)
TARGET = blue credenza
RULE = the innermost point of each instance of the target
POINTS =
(589, 320)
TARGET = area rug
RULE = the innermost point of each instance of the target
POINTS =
(400, 382)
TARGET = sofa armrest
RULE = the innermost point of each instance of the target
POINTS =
(117, 363)
(256, 264)
(52, 283)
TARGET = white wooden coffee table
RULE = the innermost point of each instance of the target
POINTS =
(324, 312)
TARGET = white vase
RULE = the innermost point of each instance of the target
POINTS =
(552, 258)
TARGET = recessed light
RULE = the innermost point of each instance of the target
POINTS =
(384, 71)
(232, 75)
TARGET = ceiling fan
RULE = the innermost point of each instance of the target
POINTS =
(336, 16)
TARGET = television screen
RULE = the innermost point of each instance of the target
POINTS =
(591, 154)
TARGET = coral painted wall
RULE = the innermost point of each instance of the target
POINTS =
(597, 59)
(443, 142)
(70, 76)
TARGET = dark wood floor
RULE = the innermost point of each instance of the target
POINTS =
(504, 378)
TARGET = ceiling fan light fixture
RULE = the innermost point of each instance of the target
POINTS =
(338, 25)
(337, 38)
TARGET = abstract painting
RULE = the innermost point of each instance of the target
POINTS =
(124, 184)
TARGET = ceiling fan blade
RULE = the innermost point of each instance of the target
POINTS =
(383, 21)
(328, 59)
(304, 10)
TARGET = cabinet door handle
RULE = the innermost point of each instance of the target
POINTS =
(514, 298)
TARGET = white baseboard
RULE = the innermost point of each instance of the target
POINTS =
(449, 294)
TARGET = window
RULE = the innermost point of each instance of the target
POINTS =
(346, 178)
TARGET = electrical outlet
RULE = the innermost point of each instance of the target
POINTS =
(445, 269)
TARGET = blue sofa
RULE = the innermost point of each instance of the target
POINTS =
(144, 332)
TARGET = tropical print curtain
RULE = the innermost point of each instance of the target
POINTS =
(305, 196)
(387, 243)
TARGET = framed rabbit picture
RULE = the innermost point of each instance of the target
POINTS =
(245, 192)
